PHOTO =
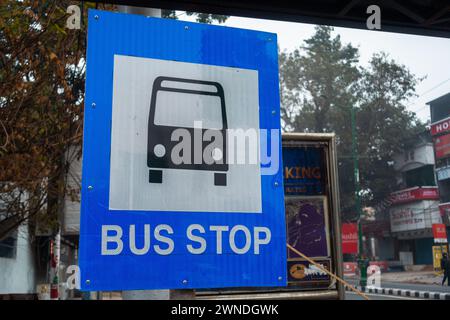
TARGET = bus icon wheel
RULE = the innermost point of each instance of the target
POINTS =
(155, 176)
(220, 179)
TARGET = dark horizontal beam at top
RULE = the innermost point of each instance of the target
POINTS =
(401, 16)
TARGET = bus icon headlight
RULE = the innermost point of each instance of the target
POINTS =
(217, 154)
(159, 150)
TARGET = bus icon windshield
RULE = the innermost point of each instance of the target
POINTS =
(178, 103)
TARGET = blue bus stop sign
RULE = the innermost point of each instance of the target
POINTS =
(182, 186)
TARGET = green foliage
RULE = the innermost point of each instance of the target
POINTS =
(384, 123)
(199, 17)
(41, 111)
(320, 83)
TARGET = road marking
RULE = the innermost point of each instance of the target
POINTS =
(386, 296)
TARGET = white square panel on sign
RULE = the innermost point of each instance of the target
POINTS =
(180, 189)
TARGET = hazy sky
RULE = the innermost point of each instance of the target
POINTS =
(424, 56)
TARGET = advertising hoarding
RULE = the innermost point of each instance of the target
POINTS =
(439, 233)
(307, 226)
(440, 127)
(304, 170)
(350, 238)
(307, 213)
(414, 216)
(442, 146)
(414, 194)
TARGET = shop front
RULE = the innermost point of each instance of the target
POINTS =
(412, 215)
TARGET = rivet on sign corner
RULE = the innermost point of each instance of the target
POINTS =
(185, 281)
(186, 27)
(276, 184)
(274, 112)
(93, 105)
(90, 187)
(88, 282)
(280, 278)
(96, 17)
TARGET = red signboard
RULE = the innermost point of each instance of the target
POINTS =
(440, 127)
(439, 233)
(444, 209)
(350, 268)
(442, 146)
(383, 265)
(349, 238)
(377, 228)
(415, 194)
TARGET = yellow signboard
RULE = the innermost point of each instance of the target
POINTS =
(437, 257)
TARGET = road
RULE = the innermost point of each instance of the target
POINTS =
(397, 285)
(408, 286)
(354, 296)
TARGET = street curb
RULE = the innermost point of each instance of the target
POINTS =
(405, 293)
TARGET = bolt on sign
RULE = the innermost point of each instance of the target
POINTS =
(181, 182)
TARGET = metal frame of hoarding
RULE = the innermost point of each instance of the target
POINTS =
(328, 139)
(336, 246)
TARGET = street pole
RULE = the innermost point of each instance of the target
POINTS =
(144, 294)
(55, 256)
(362, 261)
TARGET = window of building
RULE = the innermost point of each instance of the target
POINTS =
(441, 163)
(8, 246)
(423, 176)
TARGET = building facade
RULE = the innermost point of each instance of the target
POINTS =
(440, 131)
(414, 207)
(17, 263)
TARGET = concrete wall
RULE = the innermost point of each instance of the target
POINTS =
(414, 215)
(71, 211)
(422, 155)
(385, 248)
(423, 253)
(17, 275)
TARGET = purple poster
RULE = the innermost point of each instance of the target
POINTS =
(307, 226)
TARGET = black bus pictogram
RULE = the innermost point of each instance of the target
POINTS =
(170, 91)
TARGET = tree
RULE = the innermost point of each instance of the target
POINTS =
(42, 74)
(320, 83)
(384, 123)
(199, 17)
(41, 109)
